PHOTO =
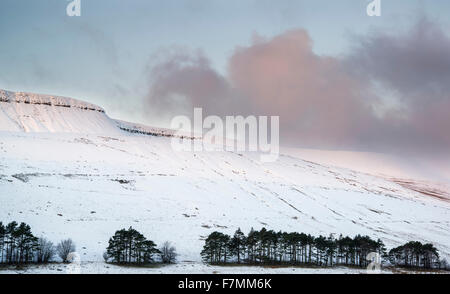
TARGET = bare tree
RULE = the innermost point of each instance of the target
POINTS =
(168, 253)
(105, 256)
(64, 248)
(444, 264)
(44, 250)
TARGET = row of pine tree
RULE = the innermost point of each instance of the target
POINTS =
(270, 247)
(416, 254)
(131, 247)
(18, 245)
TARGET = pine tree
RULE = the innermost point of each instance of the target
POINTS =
(10, 241)
(2, 241)
(415, 254)
(267, 246)
(251, 242)
(130, 246)
(17, 243)
(237, 244)
(216, 248)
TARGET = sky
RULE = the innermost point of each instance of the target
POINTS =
(337, 77)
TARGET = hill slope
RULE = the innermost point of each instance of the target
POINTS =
(71, 182)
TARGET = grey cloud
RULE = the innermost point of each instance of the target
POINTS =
(415, 67)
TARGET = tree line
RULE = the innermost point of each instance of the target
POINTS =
(415, 254)
(131, 247)
(270, 247)
(18, 245)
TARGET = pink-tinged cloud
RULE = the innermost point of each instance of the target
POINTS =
(323, 101)
(317, 101)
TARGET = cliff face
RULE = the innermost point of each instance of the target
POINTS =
(27, 112)
(48, 100)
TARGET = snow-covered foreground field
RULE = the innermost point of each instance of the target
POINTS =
(86, 185)
(187, 268)
(181, 268)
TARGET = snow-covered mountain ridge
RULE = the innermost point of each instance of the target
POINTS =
(29, 112)
(72, 172)
(39, 99)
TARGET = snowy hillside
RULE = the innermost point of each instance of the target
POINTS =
(384, 165)
(28, 112)
(74, 172)
(42, 113)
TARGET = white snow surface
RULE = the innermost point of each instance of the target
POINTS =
(73, 173)
(90, 267)
(430, 169)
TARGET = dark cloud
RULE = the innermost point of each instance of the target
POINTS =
(416, 63)
(415, 68)
(391, 92)
(182, 80)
